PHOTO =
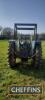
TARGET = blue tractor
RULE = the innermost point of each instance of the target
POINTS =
(25, 46)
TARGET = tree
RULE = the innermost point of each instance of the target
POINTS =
(7, 32)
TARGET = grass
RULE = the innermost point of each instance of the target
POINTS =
(24, 75)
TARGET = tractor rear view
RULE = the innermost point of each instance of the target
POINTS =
(25, 46)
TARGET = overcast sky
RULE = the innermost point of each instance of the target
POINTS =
(12, 11)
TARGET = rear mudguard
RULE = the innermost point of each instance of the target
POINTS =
(37, 43)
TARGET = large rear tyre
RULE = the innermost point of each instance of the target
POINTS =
(11, 54)
(37, 59)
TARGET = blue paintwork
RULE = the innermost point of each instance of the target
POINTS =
(24, 50)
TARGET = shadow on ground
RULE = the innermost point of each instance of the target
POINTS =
(31, 71)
